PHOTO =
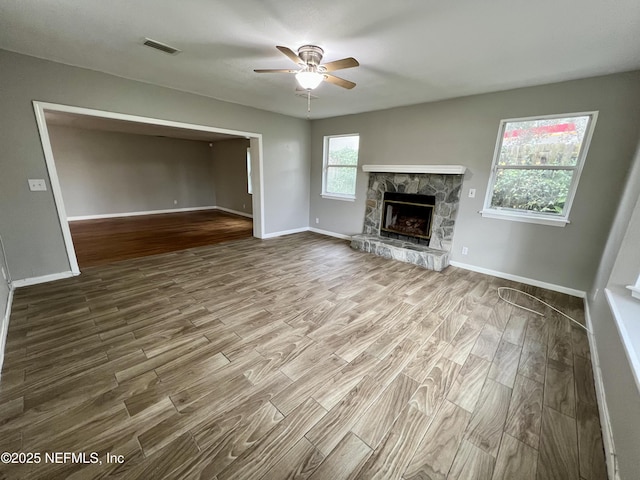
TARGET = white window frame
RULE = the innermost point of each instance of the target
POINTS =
(326, 166)
(559, 220)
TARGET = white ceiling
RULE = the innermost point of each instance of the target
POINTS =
(410, 51)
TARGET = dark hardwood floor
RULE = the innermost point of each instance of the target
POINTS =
(102, 241)
(295, 357)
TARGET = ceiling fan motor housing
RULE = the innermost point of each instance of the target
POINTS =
(311, 54)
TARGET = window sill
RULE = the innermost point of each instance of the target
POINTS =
(525, 217)
(344, 198)
(626, 312)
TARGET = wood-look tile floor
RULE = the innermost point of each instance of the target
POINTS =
(295, 357)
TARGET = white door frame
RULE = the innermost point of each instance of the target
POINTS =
(40, 107)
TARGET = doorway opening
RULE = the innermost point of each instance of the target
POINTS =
(51, 116)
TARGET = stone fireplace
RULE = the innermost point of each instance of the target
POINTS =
(410, 213)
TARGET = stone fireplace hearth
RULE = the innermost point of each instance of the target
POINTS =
(429, 251)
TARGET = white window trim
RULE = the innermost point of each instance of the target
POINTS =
(518, 216)
(325, 167)
(335, 196)
(536, 217)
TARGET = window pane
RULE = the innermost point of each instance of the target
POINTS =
(554, 141)
(341, 180)
(534, 190)
(343, 150)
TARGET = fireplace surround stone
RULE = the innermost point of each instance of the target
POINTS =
(408, 252)
(435, 256)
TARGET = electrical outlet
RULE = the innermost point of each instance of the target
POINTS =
(317, 220)
(244, 206)
(37, 185)
(175, 202)
(472, 193)
(465, 251)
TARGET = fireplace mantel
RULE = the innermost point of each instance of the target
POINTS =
(438, 169)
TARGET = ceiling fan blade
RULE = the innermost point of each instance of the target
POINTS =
(291, 54)
(275, 70)
(340, 64)
(341, 82)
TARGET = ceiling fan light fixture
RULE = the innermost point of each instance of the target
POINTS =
(309, 80)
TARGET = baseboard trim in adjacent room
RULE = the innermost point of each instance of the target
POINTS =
(4, 328)
(517, 278)
(25, 282)
(330, 234)
(605, 419)
(235, 212)
(135, 214)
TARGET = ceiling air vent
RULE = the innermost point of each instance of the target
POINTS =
(163, 47)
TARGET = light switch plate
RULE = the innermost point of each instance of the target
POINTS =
(472, 193)
(37, 185)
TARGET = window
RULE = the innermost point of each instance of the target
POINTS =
(536, 167)
(340, 166)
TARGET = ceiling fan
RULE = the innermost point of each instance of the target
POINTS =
(311, 73)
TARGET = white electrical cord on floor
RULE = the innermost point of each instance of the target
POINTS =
(500, 289)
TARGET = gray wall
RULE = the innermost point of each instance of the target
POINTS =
(230, 174)
(29, 221)
(620, 265)
(109, 172)
(463, 131)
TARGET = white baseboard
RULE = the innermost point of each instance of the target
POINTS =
(25, 282)
(517, 278)
(4, 328)
(330, 234)
(605, 419)
(135, 214)
(307, 229)
(285, 232)
(235, 212)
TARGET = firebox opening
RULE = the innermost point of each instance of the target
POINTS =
(407, 215)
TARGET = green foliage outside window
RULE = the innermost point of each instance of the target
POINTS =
(543, 191)
(343, 156)
(341, 180)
